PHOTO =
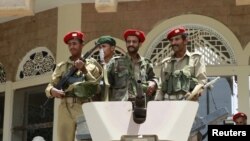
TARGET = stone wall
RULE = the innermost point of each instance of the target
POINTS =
(20, 36)
(146, 14)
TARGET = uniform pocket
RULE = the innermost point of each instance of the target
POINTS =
(121, 79)
(176, 81)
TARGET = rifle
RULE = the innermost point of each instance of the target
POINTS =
(60, 85)
(139, 107)
(199, 88)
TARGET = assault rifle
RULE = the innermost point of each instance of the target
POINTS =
(60, 85)
(199, 88)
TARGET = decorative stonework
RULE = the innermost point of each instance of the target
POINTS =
(205, 40)
(38, 61)
(2, 74)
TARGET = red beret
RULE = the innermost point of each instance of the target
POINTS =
(239, 115)
(176, 31)
(74, 34)
(134, 32)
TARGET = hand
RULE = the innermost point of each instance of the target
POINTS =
(57, 93)
(194, 98)
(80, 65)
(151, 88)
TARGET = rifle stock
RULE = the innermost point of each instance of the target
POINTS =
(200, 87)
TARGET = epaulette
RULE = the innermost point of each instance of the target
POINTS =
(166, 60)
(118, 57)
(196, 53)
(163, 61)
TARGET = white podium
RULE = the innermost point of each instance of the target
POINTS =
(168, 120)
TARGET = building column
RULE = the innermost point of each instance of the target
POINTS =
(8, 111)
(243, 91)
(69, 19)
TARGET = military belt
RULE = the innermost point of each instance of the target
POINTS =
(74, 100)
(69, 94)
(174, 97)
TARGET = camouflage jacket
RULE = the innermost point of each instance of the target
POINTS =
(191, 62)
(122, 75)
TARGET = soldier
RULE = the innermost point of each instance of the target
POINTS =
(74, 93)
(107, 46)
(125, 71)
(240, 119)
(183, 71)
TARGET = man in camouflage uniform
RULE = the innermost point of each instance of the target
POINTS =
(125, 71)
(74, 93)
(107, 46)
(182, 71)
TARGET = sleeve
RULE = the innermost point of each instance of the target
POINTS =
(56, 76)
(151, 74)
(200, 70)
(110, 71)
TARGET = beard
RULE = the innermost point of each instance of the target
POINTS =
(132, 49)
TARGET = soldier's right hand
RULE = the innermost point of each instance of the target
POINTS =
(57, 93)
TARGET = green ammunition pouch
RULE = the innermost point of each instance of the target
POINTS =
(73, 79)
(81, 88)
(85, 89)
(181, 80)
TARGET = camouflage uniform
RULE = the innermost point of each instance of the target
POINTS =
(70, 107)
(176, 75)
(123, 74)
(106, 52)
(191, 66)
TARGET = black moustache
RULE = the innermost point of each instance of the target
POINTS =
(174, 46)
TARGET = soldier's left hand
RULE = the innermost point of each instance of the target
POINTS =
(80, 65)
(151, 88)
(194, 98)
